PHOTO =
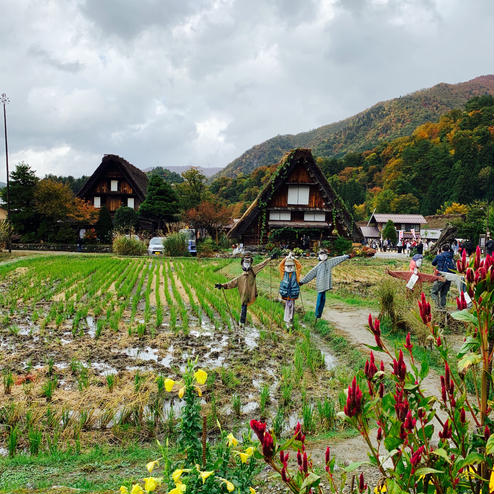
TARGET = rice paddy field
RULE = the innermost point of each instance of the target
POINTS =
(86, 343)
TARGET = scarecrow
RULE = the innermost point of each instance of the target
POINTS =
(322, 273)
(246, 283)
(289, 286)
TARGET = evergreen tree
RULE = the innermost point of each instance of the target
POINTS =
(23, 215)
(161, 203)
(104, 226)
(389, 232)
(125, 219)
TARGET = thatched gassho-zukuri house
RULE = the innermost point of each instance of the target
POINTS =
(298, 200)
(115, 183)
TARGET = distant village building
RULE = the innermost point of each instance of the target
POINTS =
(409, 224)
(115, 183)
(297, 201)
(437, 223)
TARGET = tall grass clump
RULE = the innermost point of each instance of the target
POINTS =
(124, 246)
(175, 245)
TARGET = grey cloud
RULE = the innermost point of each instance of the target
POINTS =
(46, 58)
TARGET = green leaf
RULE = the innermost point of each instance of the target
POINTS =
(471, 459)
(353, 466)
(442, 453)
(375, 348)
(468, 360)
(394, 488)
(426, 471)
(489, 449)
(424, 370)
(470, 344)
(411, 387)
(465, 315)
(310, 481)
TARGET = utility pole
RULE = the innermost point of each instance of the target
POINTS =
(4, 100)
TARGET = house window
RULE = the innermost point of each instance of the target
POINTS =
(114, 185)
(130, 202)
(280, 215)
(314, 217)
(298, 194)
(97, 202)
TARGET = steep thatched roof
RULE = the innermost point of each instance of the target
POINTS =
(136, 178)
(289, 161)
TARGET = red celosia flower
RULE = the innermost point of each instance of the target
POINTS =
(409, 421)
(354, 400)
(447, 430)
(470, 275)
(399, 367)
(381, 390)
(362, 486)
(327, 455)
(401, 405)
(487, 432)
(416, 456)
(305, 464)
(424, 309)
(299, 458)
(375, 328)
(408, 343)
(268, 445)
(476, 263)
(462, 416)
(284, 474)
(259, 428)
(370, 367)
(379, 434)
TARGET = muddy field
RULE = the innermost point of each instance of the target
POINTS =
(83, 341)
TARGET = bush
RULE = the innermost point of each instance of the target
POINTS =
(341, 246)
(125, 219)
(125, 246)
(5, 232)
(206, 247)
(175, 245)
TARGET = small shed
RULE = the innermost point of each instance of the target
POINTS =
(297, 201)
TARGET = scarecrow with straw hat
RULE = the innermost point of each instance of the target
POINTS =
(322, 273)
(290, 270)
(246, 283)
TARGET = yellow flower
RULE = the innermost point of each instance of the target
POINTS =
(491, 482)
(250, 450)
(243, 456)
(150, 466)
(198, 390)
(177, 474)
(205, 475)
(231, 440)
(252, 490)
(229, 486)
(136, 489)
(150, 483)
(200, 376)
(169, 383)
(380, 490)
(181, 392)
(124, 490)
(178, 489)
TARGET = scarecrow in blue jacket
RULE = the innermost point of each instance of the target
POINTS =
(290, 270)
(322, 273)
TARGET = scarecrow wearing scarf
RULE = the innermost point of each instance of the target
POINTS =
(246, 283)
(289, 286)
(322, 273)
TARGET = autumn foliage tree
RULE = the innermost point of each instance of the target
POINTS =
(208, 215)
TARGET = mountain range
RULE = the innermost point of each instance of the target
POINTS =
(208, 172)
(386, 120)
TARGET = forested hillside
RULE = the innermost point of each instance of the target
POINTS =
(450, 160)
(384, 121)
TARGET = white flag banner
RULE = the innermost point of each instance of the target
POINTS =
(411, 282)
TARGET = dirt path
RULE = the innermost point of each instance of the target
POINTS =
(351, 322)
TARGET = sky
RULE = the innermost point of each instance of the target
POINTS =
(198, 82)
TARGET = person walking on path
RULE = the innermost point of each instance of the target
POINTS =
(246, 283)
(322, 273)
(444, 264)
(489, 247)
(290, 270)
